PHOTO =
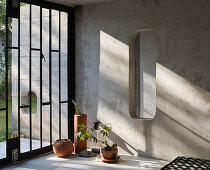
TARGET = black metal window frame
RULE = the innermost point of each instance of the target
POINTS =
(70, 76)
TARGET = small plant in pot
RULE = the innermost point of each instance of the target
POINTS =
(109, 152)
(79, 118)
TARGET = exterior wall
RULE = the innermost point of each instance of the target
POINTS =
(182, 122)
(35, 72)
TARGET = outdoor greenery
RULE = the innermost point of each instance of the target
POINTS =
(3, 41)
(33, 102)
(86, 133)
(3, 120)
(3, 74)
(3, 117)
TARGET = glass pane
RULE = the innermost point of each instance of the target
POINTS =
(64, 35)
(2, 134)
(45, 51)
(13, 32)
(35, 26)
(24, 78)
(55, 29)
(55, 95)
(13, 93)
(35, 98)
(64, 120)
(2, 81)
(46, 125)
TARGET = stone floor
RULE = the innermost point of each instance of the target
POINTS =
(51, 162)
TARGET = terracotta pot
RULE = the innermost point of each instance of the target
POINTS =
(79, 145)
(109, 154)
(63, 148)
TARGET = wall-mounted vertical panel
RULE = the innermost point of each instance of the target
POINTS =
(142, 74)
(148, 54)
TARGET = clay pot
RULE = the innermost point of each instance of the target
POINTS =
(109, 154)
(63, 148)
(79, 145)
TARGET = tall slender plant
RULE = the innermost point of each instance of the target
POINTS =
(78, 111)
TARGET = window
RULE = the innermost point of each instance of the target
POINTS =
(25, 101)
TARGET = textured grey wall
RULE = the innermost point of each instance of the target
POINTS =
(182, 122)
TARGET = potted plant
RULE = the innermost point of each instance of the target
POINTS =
(63, 147)
(109, 152)
(79, 118)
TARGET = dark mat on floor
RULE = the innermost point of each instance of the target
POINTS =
(187, 163)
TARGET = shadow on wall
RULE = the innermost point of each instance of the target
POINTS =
(181, 125)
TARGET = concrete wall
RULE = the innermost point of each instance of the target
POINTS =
(182, 122)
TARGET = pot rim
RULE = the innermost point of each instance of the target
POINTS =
(62, 140)
(109, 149)
(80, 115)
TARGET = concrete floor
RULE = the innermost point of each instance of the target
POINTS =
(74, 162)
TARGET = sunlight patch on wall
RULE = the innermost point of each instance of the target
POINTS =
(113, 91)
(183, 101)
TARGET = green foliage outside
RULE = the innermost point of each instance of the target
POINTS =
(3, 120)
(3, 74)
(2, 56)
(33, 103)
(3, 117)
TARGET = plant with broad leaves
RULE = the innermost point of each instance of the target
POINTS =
(85, 133)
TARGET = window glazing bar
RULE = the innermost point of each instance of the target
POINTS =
(19, 75)
(50, 71)
(41, 77)
(25, 106)
(6, 79)
(36, 49)
(30, 119)
(56, 50)
(3, 109)
(46, 103)
(13, 47)
(64, 101)
(59, 75)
